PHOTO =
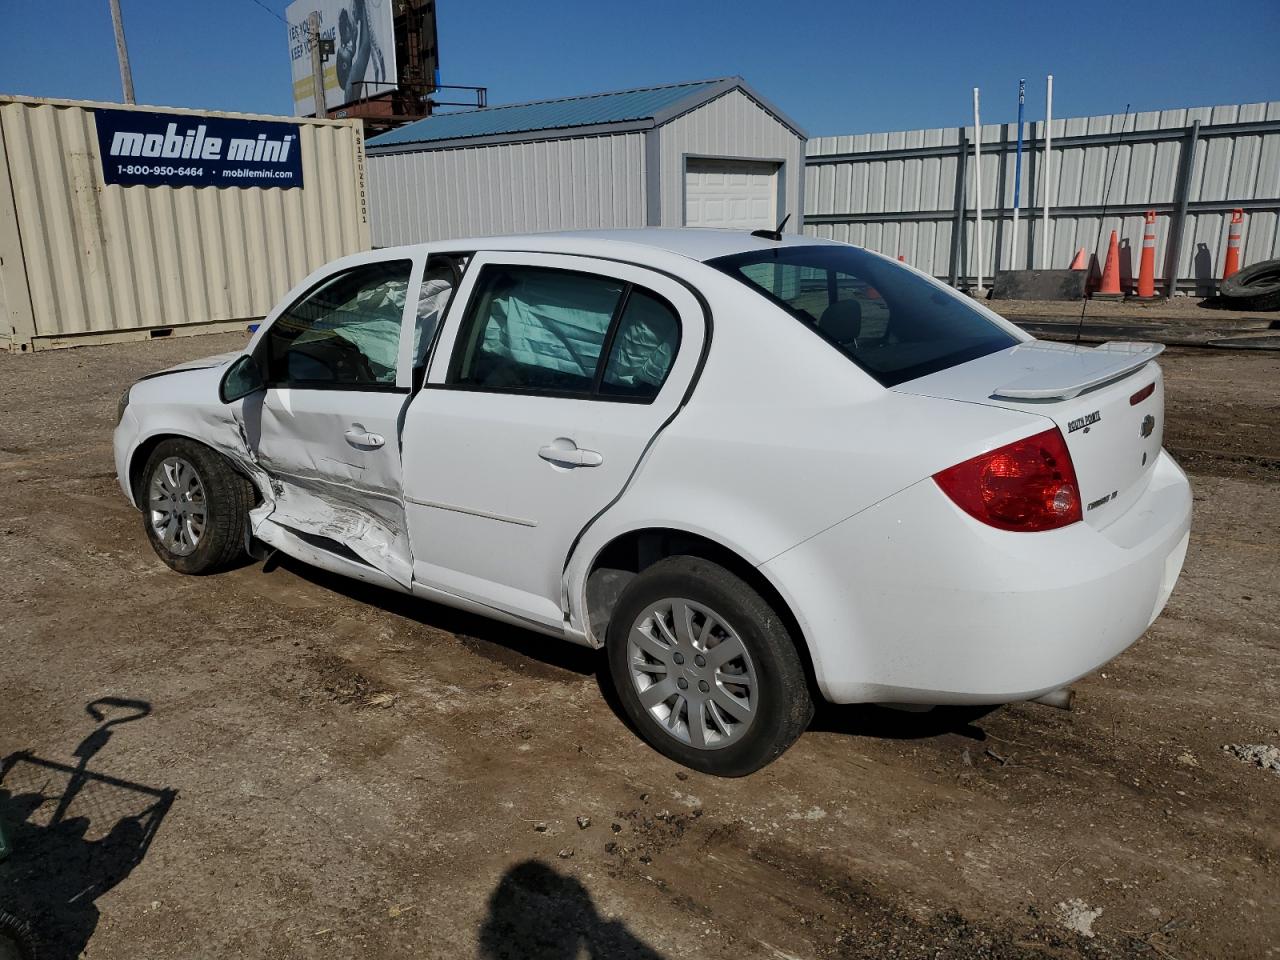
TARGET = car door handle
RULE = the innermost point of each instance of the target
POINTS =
(566, 453)
(357, 436)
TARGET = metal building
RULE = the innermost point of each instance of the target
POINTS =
(163, 241)
(711, 153)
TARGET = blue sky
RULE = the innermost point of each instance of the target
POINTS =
(836, 67)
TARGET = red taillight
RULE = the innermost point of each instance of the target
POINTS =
(1029, 485)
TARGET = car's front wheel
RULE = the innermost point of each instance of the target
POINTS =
(194, 506)
(706, 669)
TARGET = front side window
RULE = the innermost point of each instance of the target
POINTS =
(895, 325)
(561, 332)
(345, 332)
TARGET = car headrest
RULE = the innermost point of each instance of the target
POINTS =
(842, 321)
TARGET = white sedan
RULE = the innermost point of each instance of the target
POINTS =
(755, 469)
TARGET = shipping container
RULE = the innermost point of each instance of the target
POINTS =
(85, 257)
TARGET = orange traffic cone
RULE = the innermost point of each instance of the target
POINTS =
(1080, 262)
(1232, 264)
(1110, 289)
(1147, 268)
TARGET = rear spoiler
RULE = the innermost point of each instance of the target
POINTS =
(1081, 371)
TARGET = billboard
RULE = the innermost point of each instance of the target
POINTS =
(364, 59)
(142, 148)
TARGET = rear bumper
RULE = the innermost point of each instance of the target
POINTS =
(914, 601)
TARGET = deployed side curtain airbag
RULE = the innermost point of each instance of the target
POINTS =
(371, 324)
(551, 321)
(432, 300)
(646, 343)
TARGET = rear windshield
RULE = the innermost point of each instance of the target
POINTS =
(891, 322)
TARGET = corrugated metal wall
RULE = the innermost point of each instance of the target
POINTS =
(83, 258)
(897, 193)
(732, 125)
(576, 183)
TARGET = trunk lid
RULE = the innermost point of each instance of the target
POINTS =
(1097, 396)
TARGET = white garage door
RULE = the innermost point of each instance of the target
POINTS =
(740, 194)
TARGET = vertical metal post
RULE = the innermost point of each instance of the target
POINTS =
(1173, 259)
(319, 107)
(122, 52)
(17, 314)
(1017, 178)
(957, 228)
(1048, 172)
(977, 189)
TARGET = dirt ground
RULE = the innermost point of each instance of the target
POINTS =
(317, 768)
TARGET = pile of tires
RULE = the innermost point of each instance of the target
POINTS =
(1256, 287)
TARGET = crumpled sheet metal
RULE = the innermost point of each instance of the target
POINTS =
(377, 536)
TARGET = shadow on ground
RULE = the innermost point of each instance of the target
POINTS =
(538, 913)
(471, 628)
(884, 723)
(499, 641)
(76, 833)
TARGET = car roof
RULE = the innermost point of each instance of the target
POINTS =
(695, 243)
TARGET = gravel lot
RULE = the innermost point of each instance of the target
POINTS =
(329, 770)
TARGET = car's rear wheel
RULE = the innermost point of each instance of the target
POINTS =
(194, 506)
(706, 669)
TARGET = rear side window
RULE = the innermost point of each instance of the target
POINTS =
(564, 333)
(893, 324)
(645, 344)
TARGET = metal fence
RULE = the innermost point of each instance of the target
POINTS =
(912, 193)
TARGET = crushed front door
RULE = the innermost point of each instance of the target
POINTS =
(327, 428)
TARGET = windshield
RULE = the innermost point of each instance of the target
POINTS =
(891, 322)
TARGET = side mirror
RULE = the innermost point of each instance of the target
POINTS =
(242, 378)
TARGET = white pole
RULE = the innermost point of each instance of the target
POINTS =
(1014, 259)
(977, 185)
(1048, 168)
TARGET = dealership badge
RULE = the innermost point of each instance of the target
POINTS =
(1085, 422)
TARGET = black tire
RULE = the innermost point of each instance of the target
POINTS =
(1256, 287)
(228, 497)
(17, 939)
(783, 706)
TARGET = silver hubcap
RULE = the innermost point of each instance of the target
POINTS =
(177, 505)
(692, 673)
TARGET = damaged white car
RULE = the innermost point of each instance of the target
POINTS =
(757, 469)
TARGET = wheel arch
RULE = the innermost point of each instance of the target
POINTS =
(138, 458)
(627, 554)
(141, 453)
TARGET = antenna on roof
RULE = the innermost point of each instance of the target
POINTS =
(772, 234)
